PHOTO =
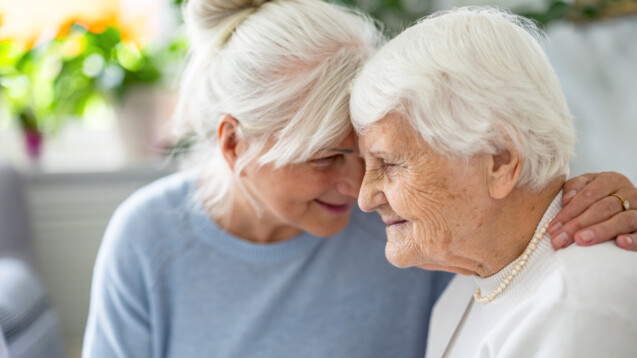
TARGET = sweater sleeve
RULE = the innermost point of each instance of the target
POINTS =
(567, 330)
(119, 315)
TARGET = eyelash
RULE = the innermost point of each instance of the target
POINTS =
(382, 167)
(388, 166)
(325, 161)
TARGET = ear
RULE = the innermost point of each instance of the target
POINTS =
(504, 172)
(229, 142)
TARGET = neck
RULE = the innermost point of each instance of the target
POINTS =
(517, 217)
(260, 227)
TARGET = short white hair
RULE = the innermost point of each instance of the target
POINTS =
(282, 68)
(472, 80)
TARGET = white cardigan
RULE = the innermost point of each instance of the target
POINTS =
(577, 302)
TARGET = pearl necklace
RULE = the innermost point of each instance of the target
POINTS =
(515, 270)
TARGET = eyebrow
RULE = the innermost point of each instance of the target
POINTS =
(378, 153)
(381, 154)
(346, 151)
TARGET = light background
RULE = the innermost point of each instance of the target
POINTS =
(71, 204)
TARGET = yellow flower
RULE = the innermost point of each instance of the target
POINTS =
(27, 22)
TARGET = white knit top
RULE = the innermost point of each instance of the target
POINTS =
(577, 302)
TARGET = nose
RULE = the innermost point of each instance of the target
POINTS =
(351, 177)
(370, 197)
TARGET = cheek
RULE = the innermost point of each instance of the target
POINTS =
(295, 193)
(418, 245)
(413, 197)
(435, 238)
(404, 247)
(398, 192)
(319, 182)
(424, 202)
(308, 188)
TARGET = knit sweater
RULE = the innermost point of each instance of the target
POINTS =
(576, 302)
(169, 283)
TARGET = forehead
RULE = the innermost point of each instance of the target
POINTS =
(392, 132)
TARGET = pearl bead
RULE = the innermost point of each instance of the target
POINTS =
(533, 244)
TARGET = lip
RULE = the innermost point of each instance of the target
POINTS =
(334, 208)
(393, 222)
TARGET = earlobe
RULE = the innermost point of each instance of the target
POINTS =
(228, 139)
(504, 172)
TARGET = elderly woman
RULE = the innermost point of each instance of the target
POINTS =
(259, 251)
(467, 137)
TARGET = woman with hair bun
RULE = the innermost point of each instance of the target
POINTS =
(259, 250)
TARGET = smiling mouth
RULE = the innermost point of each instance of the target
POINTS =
(390, 223)
(334, 208)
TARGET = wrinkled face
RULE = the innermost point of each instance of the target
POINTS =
(316, 196)
(430, 203)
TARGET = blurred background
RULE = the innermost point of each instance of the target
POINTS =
(87, 88)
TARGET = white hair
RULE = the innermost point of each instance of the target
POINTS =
(472, 80)
(282, 68)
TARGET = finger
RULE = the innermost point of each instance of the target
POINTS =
(575, 185)
(617, 225)
(599, 212)
(628, 242)
(601, 186)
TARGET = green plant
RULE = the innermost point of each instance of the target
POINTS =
(26, 86)
(63, 78)
(394, 15)
(398, 14)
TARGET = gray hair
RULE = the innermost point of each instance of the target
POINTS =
(282, 68)
(472, 80)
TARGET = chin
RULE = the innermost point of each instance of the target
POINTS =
(326, 229)
(451, 269)
(397, 250)
(397, 257)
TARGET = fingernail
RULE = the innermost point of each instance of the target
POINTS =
(625, 241)
(587, 236)
(569, 194)
(561, 240)
(554, 227)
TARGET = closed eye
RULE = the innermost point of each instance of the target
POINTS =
(382, 167)
(325, 161)
(388, 166)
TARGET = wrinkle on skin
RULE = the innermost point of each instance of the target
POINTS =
(432, 192)
(433, 218)
(453, 221)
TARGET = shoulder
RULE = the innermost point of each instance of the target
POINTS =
(168, 192)
(152, 214)
(586, 293)
(589, 287)
(600, 273)
(159, 200)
